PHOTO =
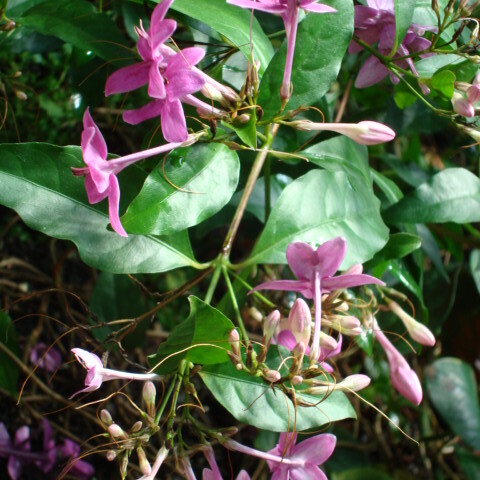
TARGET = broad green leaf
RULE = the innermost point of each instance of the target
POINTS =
(37, 182)
(431, 249)
(252, 401)
(342, 154)
(204, 325)
(399, 245)
(205, 177)
(247, 132)
(403, 18)
(469, 462)
(322, 40)
(388, 187)
(317, 207)
(77, 22)
(443, 83)
(463, 69)
(232, 22)
(8, 369)
(452, 195)
(452, 389)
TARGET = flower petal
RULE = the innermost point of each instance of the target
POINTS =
(156, 82)
(127, 78)
(174, 126)
(150, 110)
(371, 72)
(188, 57)
(159, 13)
(303, 287)
(114, 205)
(269, 6)
(307, 473)
(330, 255)
(348, 280)
(311, 6)
(315, 450)
(301, 259)
(184, 82)
(160, 34)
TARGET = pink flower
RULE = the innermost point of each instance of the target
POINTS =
(154, 55)
(213, 473)
(18, 452)
(314, 270)
(404, 379)
(78, 468)
(97, 373)
(100, 174)
(288, 9)
(180, 81)
(44, 357)
(290, 461)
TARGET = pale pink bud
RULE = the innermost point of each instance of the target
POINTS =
(136, 427)
(234, 341)
(116, 431)
(356, 269)
(300, 321)
(419, 332)
(143, 463)
(296, 380)
(352, 383)
(365, 133)
(326, 341)
(111, 455)
(149, 393)
(299, 352)
(462, 106)
(270, 325)
(271, 376)
(105, 417)
(473, 93)
(345, 324)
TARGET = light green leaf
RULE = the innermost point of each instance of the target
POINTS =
(399, 245)
(317, 207)
(403, 18)
(37, 182)
(204, 325)
(322, 40)
(452, 389)
(452, 195)
(252, 401)
(205, 178)
(232, 22)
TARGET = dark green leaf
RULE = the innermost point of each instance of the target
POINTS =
(247, 132)
(8, 369)
(250, 400)
(463, 69)
(322, 40)
(452, 195)
(204, 325)
(205, 177)
(37, 182)
(443, 83)
(232, 22)
(399, 245)
(475, 267)
(77, 22)
(403, 18)
(388, 187)
(452, 389)
(317, 207)
(431, 249)
(362, 473)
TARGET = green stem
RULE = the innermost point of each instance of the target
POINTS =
(265, 300)
(238, 314)
(472, 230)
(180, 374)
(267, 173)
(270, 133)
(213, 284)
(165, 401)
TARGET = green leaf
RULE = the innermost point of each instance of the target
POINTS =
(443, 83)
(475, 267)
(469, 462)
(403, 18)
(8, 369)
(463, 69)
(317, 207)
(77, 22)
(361, 473)
(431, 249)
(399, 245)
(232, 22)
(389, 188)
(37, 182)
(322, 40)
(247, 132)
(452, 389)
(452, 195)
(204, 325)
(252, 401)
(205, 178)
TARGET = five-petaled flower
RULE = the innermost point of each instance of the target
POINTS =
(314, 270)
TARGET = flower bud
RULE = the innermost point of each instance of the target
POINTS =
(143, 463)
(116, 431)
(111, 455)
(473, 93)
(364, 133)
(149, 393)
(300, 321)
(270, 325)
(296, 380)
(356, 269)
(243, 118)
(21, 95)
(234, 341)
(462, 106)
(345, 324)
(326, 341)
(271, 376)
(136, 427)
(352, 383)
(124, 465)
(105, 417)
(419, 332)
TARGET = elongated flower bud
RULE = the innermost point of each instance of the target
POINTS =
(352, 383)
(149, 393)
(326, 341)
(345, 324)
(300, 321)
(143, 463)
(419, 332)
(234, 341)
(462, 106)
(116, 431)
(365, 133)
(105, 417)
(270, 325)
(271, 376)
